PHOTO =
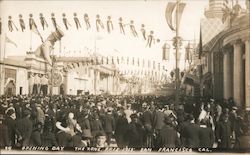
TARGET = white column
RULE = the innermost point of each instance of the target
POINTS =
(227, 85)
(238, 73)
(247, 72)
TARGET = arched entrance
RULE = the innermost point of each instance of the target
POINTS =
(10, 88)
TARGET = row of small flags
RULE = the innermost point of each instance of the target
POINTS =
(148, 36)
(118, 60)
(138, 72)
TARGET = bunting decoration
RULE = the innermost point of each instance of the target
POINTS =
(86, 20)
(43, 21)
(132, 28)
(149, 38)
(53, 19)
(99, 23)
(21, 21)
(65, 21)
(109, 24)
(143, 31)
(11, 24)
(121, 25)
(32, 22)
(77, 22)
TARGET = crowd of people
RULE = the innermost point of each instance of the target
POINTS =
(121, 121)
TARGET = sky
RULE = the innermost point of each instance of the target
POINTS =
(151, 13)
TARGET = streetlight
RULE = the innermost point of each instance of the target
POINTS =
(177, 40)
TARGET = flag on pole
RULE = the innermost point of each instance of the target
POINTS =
(180, 11)
(168, 14)
(7, 40)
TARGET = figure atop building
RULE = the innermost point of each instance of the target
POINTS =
(215, 9)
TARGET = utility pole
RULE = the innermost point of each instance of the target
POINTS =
(177, 40)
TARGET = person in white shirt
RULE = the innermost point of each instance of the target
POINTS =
(31, 83)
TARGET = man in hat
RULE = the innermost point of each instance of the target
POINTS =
(3, 133)
(109, 124)
(135, 132)
(223, 132)
(121, 129)
(167, 136)
(40, 114)
(146, 119)
(190, 133)
(25, 127)
(10, 122)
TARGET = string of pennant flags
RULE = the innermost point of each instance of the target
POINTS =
(154, 73)
(137, 62)
(100, 25)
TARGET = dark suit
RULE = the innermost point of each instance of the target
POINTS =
(3, 135)
(158, 120)
(135, 135)
(206, 137)
(121, 130)
(11, 124)
(223, 132)
(49, 139)
(167, 137)
(109, 126)
(190, 133)
(25, 127)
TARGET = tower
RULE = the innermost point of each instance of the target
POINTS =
(215, 9)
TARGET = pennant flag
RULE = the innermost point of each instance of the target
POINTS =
(21, 22)
(43, 21)
(150, 39)
(99, 23)
(7, 40)
(121, 25)
(77, 22)
(11, 24)
(109, 24)
(53, 19)
(132, 28)
(86, 20)
(168, 14)
(65, 21)
(143, 31)
(31, 22)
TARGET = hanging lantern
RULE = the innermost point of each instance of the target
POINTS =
(165, 51)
